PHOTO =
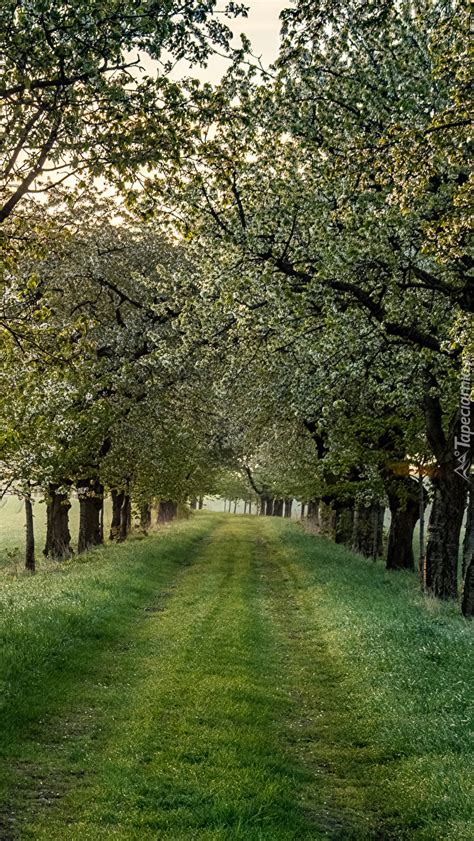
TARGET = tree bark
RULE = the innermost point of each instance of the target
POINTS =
(468, 545)
(450, 491)
(288, 507)
(421, 541)
(30, 563)
(444, 530)
(91, 500)
(303, 509)
(368, 530)
(58, 538)
(267, 505)
(467, 604)
(129, 515)
(400, 538)
(167, 511)
(326, 518)
(145, 517)
(403, 495)
(101, 516)
(125, 518)
(201, 503)
(194, 503)
(117, 501)
(344, 523)
(313, 512)
(378, 531)
(277, 508)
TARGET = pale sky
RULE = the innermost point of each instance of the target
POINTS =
(262, 27)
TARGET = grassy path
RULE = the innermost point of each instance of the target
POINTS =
(233, 678)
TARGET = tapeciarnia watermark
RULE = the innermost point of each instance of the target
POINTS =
(462, 445)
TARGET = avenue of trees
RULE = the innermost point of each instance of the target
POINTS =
(264, 284)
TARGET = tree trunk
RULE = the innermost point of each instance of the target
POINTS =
(400, 538)
(467, 605)
(102, 522)
(91, 500)
(378, 532)
(444, 530)
(235, 505)
(450, 491)
(145, 517)
(326, 518)
(404, 501)
(167, 511)
(421, 541)
(344, 523)
(194, 503)
(312, 512)
(58, 538)
(367, 531)
(468, 545)
(303, 509)
(288, 507)
(162, 512)
(278, 508)
(201, 503)
(30, 564)
(117, 501)
(267, 505)
(125, 518)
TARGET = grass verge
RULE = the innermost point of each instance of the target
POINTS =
(232, 678)
(385, 690)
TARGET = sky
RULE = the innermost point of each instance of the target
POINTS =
(262, 27)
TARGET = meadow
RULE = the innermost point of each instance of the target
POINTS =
(232, 678)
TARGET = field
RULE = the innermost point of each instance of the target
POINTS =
(232, 678)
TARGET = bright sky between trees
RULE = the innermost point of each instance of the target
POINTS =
(262, 27)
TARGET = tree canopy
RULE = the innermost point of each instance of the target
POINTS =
(275, 286)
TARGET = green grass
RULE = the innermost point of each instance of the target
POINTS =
(232, 678)
(395, 710)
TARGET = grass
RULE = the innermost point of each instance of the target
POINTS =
(395, 714)
(232, 678)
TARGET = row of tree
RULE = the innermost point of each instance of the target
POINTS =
(100, 393)
(335, 193)
(288, 293)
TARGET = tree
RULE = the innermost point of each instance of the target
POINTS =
(75, 95)
(303, 190)
(108, 369)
